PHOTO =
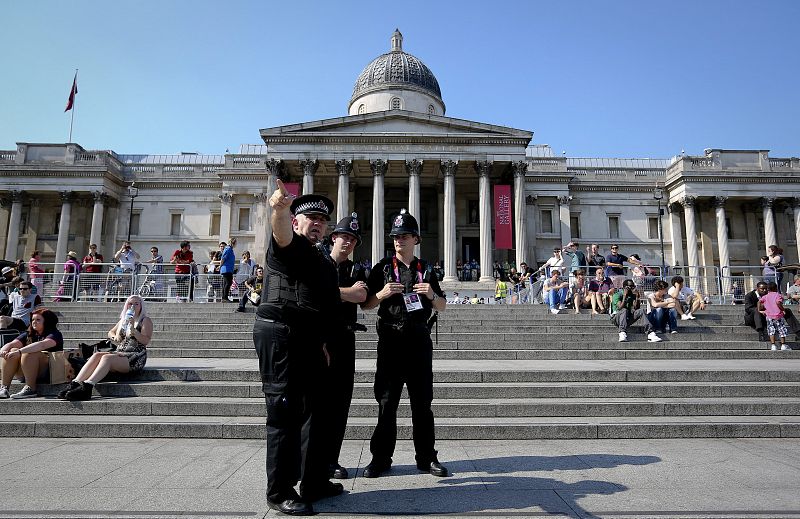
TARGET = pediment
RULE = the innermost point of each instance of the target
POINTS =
(396, 124)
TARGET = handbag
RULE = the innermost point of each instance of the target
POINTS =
(61, 370)
(254, 297)
(87, 350)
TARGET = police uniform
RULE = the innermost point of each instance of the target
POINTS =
(288, 334)
(342, 350)
(405, 356)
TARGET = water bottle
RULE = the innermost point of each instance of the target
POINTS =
(129, 314)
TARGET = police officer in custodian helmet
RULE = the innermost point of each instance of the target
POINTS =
(291, 328)
(346, 236)
(406, 294)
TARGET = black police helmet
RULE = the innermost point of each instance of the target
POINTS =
(349, 225)
(404, 223)
(312, 204)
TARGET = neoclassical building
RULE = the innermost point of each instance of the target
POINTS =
(396, 148)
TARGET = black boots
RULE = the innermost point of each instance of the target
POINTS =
(72, 385)
(82, 392)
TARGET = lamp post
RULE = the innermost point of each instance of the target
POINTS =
(133, 192)
(658, 194)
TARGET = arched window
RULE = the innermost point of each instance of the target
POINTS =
(361, 109)
(395, 103)
(431, 110)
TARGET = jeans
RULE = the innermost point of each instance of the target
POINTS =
(556, 297)
(659, 318)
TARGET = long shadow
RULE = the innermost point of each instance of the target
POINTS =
(489, 488)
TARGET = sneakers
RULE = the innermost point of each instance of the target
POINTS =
(623, 337)
(3, 392)
(673, 331)
(25, 392)
(691, 316)
(686, 317)
(554, 311)
(652, 337)
(774, 347)
(785, 347)
(562, 306)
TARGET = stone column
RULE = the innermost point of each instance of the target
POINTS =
(414, 170)
(530, 230)
(520, 212)
(769, 222)
(448, 169)
(676, 235)
(226, 200)
(722, 232)
(14, 221)
(691, 232)
(344, 167)
(62, 245)
(96, 234)
(378, 168)
(262, 237)
(275, 170)
(484, 169)
(563, 217)
(796, 210)
(309, 169)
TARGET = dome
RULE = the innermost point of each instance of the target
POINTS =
(397, 69)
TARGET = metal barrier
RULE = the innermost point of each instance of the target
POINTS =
(702, 279)
(738, 281)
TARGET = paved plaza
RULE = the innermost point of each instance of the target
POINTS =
(153, 478)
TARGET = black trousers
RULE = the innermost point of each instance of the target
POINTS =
(295, 424)
(227, 283)
(339, 382)
(758, 321)
(404, 357)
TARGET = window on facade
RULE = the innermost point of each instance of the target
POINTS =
(135, 220)
(472, 211)
(652, 227)
(213, 227)
(547, 221)
(244, 219)
(431, 110)
(575, 225)
(175, 224)
(395, 104)
(361, 109)
(613, 226)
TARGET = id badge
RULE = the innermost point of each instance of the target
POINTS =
(412, 302)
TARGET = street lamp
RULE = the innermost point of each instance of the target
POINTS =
(133, 192)
(658, 194)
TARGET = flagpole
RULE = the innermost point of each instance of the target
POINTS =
(74, 104)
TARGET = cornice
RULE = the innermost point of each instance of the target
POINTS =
(646, 188)
(178, 185)
(36, 172)
(394, 139)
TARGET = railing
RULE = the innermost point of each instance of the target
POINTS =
(737, 281)
(702, 162)
(780, 163)
(8, 156)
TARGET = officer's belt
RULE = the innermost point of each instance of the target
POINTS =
(264, 319)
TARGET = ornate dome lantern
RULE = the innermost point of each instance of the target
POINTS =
(396, 81)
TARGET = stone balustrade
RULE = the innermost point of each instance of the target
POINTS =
(8, 156)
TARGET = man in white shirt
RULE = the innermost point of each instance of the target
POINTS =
(127, 257)
(690, 301)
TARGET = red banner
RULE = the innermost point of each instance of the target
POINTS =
(293, 188)
(503, 230)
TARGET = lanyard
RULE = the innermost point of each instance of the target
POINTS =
(397, 270)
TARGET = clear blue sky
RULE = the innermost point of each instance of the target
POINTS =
(593, 78)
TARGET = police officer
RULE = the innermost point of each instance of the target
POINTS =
(342, 346)
(289, 337)
(407, 294)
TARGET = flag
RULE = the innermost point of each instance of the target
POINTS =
(72, 92)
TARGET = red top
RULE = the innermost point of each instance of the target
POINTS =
(182, 260)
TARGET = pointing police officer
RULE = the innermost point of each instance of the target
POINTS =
(289, 335)
(342, 344)
(406, 294)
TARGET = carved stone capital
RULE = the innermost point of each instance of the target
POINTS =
(564, 200)
(378, 167)
(226, 198)
(448, 167)
(275, 167)
(16, 196)
(309, 166)
(344, 166)
(261, 197)
(483, 167)
(531, 199)
(99, 197)
(520, 168)
(767, 202)
(719, 201)
(414, 167)
(688, 201)
(66, 196)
